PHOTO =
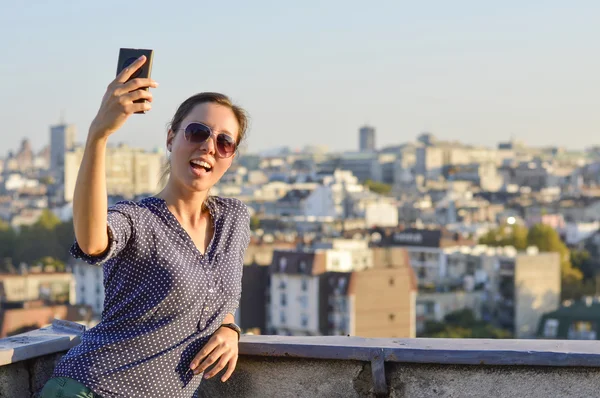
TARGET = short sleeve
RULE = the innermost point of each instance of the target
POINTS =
(244, 237)
(121, 221)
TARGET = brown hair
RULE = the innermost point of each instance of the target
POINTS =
(201, 98)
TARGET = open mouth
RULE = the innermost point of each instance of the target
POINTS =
(200, 167)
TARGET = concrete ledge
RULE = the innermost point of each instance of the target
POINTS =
(60, 336)
(281, 366)
(432, 351)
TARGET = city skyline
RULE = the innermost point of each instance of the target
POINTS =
(468, 72)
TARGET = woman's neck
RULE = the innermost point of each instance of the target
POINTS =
(189, 207)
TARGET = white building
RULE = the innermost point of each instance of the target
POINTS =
(89, 287)
(129, 171)
(321, 292)
(360, 253)
(15, 182)
(295, 289)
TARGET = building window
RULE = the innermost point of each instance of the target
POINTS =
(302, 266)
(283, 299)
(304, 320)
(304, 284)
(430, 308)
(551, 328)
(391, 281)
(282, 319)
(303, 301)
(392, 317)
(582, 330)
(282, 284)
(282, 264)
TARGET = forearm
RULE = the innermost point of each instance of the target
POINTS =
(229, 318)
(90, 200)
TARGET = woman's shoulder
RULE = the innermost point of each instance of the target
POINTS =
(134, 208)
(230, 206)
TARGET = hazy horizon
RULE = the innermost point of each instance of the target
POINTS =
(312, 74)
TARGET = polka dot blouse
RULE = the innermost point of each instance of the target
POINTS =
(163, 299)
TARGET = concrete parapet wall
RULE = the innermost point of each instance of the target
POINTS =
(279, 366)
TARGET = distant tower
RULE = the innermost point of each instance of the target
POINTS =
(366, 138)
(62, 139)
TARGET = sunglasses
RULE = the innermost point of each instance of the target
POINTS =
(198, 133)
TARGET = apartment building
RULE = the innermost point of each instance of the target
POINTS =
(129, 171)
(318, 292)
(89, 286)
(527, 286)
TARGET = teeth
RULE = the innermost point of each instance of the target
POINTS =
(202, 164)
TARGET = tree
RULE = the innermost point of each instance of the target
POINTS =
(378, 187)
(582, 260)
(47, 220)
(254, 223)
(546, 239)
(47, 238)
(7, 241)
(65, 235)
(463, 324)
(507, 235)
(50, 263)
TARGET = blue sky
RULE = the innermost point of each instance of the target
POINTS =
(312, 72)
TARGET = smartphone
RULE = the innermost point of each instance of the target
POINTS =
(127, 56)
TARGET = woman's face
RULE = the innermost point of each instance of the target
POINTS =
(185, 155)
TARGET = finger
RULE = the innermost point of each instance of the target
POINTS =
(135, 84)
(209, 360)
(130, 70)
(230, 368)
(136, 95)
(218, 367)
(207, 349)
(139, 107)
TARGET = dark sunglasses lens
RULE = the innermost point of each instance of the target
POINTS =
(225, 145)
(197, 133)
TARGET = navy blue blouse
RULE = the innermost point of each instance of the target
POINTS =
(163, 299)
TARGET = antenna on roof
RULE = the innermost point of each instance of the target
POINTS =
(62, 116)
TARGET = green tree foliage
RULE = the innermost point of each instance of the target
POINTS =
(50, 263)
(7, 244)
(508, 235)
(546, 239)
(378, 187)
(47, 220)
(46, 242)
(254, 223)
(463, 324)
(582, 260)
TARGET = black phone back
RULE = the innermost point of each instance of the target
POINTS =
(127, 56)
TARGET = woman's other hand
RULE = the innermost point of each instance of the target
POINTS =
(222, 349)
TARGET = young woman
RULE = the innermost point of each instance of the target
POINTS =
(172, 262)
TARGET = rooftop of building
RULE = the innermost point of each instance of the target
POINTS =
(281, 366)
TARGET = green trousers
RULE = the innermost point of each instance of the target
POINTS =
(64, 387)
